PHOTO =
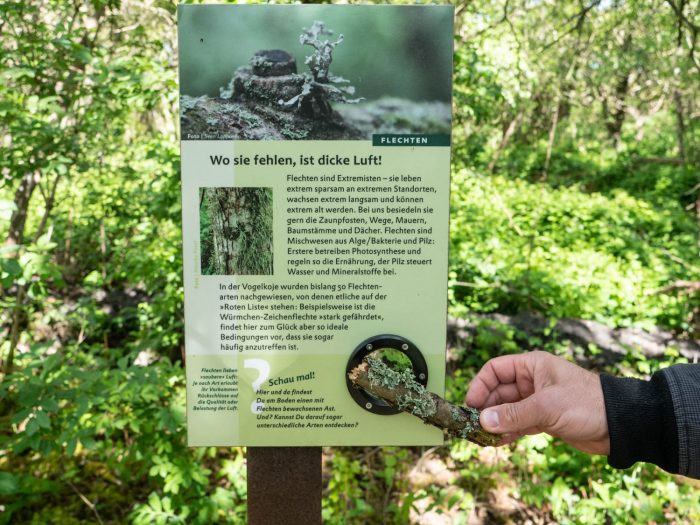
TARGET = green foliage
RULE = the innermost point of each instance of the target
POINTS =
(367, 486)
(477, 98)
(518, 245)
(77, 418)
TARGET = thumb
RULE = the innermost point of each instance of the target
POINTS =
(510, 418)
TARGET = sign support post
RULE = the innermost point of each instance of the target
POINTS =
(284, 485)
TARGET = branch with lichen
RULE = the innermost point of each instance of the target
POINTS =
(401, 390)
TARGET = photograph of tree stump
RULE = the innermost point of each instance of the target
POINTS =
(235, 227)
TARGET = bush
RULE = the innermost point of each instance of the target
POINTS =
(517, 245)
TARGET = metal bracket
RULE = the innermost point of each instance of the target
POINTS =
(378, 342)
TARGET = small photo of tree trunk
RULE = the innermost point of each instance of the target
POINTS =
(235, 231)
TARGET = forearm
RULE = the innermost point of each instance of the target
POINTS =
(656, 421)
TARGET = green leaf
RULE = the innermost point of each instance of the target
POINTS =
(123, 362)
(51, 362)
(154, 502)
(42, 419)
(32, 427)
(88, 442)
(49, 405)
(11, 267)
(71, 446)
(18, 72)
(8, 484)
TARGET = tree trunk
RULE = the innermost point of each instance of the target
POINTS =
(616, 120)
(15, 237)
(680, 125)
(49, 201)
(18, 219)
(17, 320)
(507, 134)
(550, 141)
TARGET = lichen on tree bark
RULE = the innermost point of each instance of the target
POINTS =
(236, 231)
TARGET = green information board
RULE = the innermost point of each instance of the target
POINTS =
(315, 192)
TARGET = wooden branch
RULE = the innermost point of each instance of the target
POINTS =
(693, 30)
(682, 18)
(692, 190)
(578, 26)
(492, 25)
(687, 287)
(614, 343)
(673, 161)
(401, 390)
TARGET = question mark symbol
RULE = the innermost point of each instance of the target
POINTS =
(263, 368)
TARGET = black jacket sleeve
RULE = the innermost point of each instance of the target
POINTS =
(657, 421)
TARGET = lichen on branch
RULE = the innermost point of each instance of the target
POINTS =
(319, 61)
(401, 390)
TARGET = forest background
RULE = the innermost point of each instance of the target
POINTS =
(575, 202)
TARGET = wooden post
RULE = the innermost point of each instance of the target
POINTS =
(284, 485)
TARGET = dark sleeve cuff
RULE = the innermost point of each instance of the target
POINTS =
(641, 422)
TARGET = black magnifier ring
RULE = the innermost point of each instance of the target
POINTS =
(380, 342)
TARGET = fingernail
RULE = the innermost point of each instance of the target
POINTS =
(490, 419)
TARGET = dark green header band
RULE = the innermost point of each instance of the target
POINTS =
(411, 140)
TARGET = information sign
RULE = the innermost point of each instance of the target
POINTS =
(315, 197)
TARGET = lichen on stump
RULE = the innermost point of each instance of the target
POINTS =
(270, 77)
(401, 390)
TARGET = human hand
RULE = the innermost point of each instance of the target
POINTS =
(539, 392)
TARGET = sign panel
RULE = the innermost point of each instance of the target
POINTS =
(315, 191)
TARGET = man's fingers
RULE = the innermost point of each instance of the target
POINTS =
(504, 370)
(502, 394)
(507, 368)
(512, 418)
(478, 393)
